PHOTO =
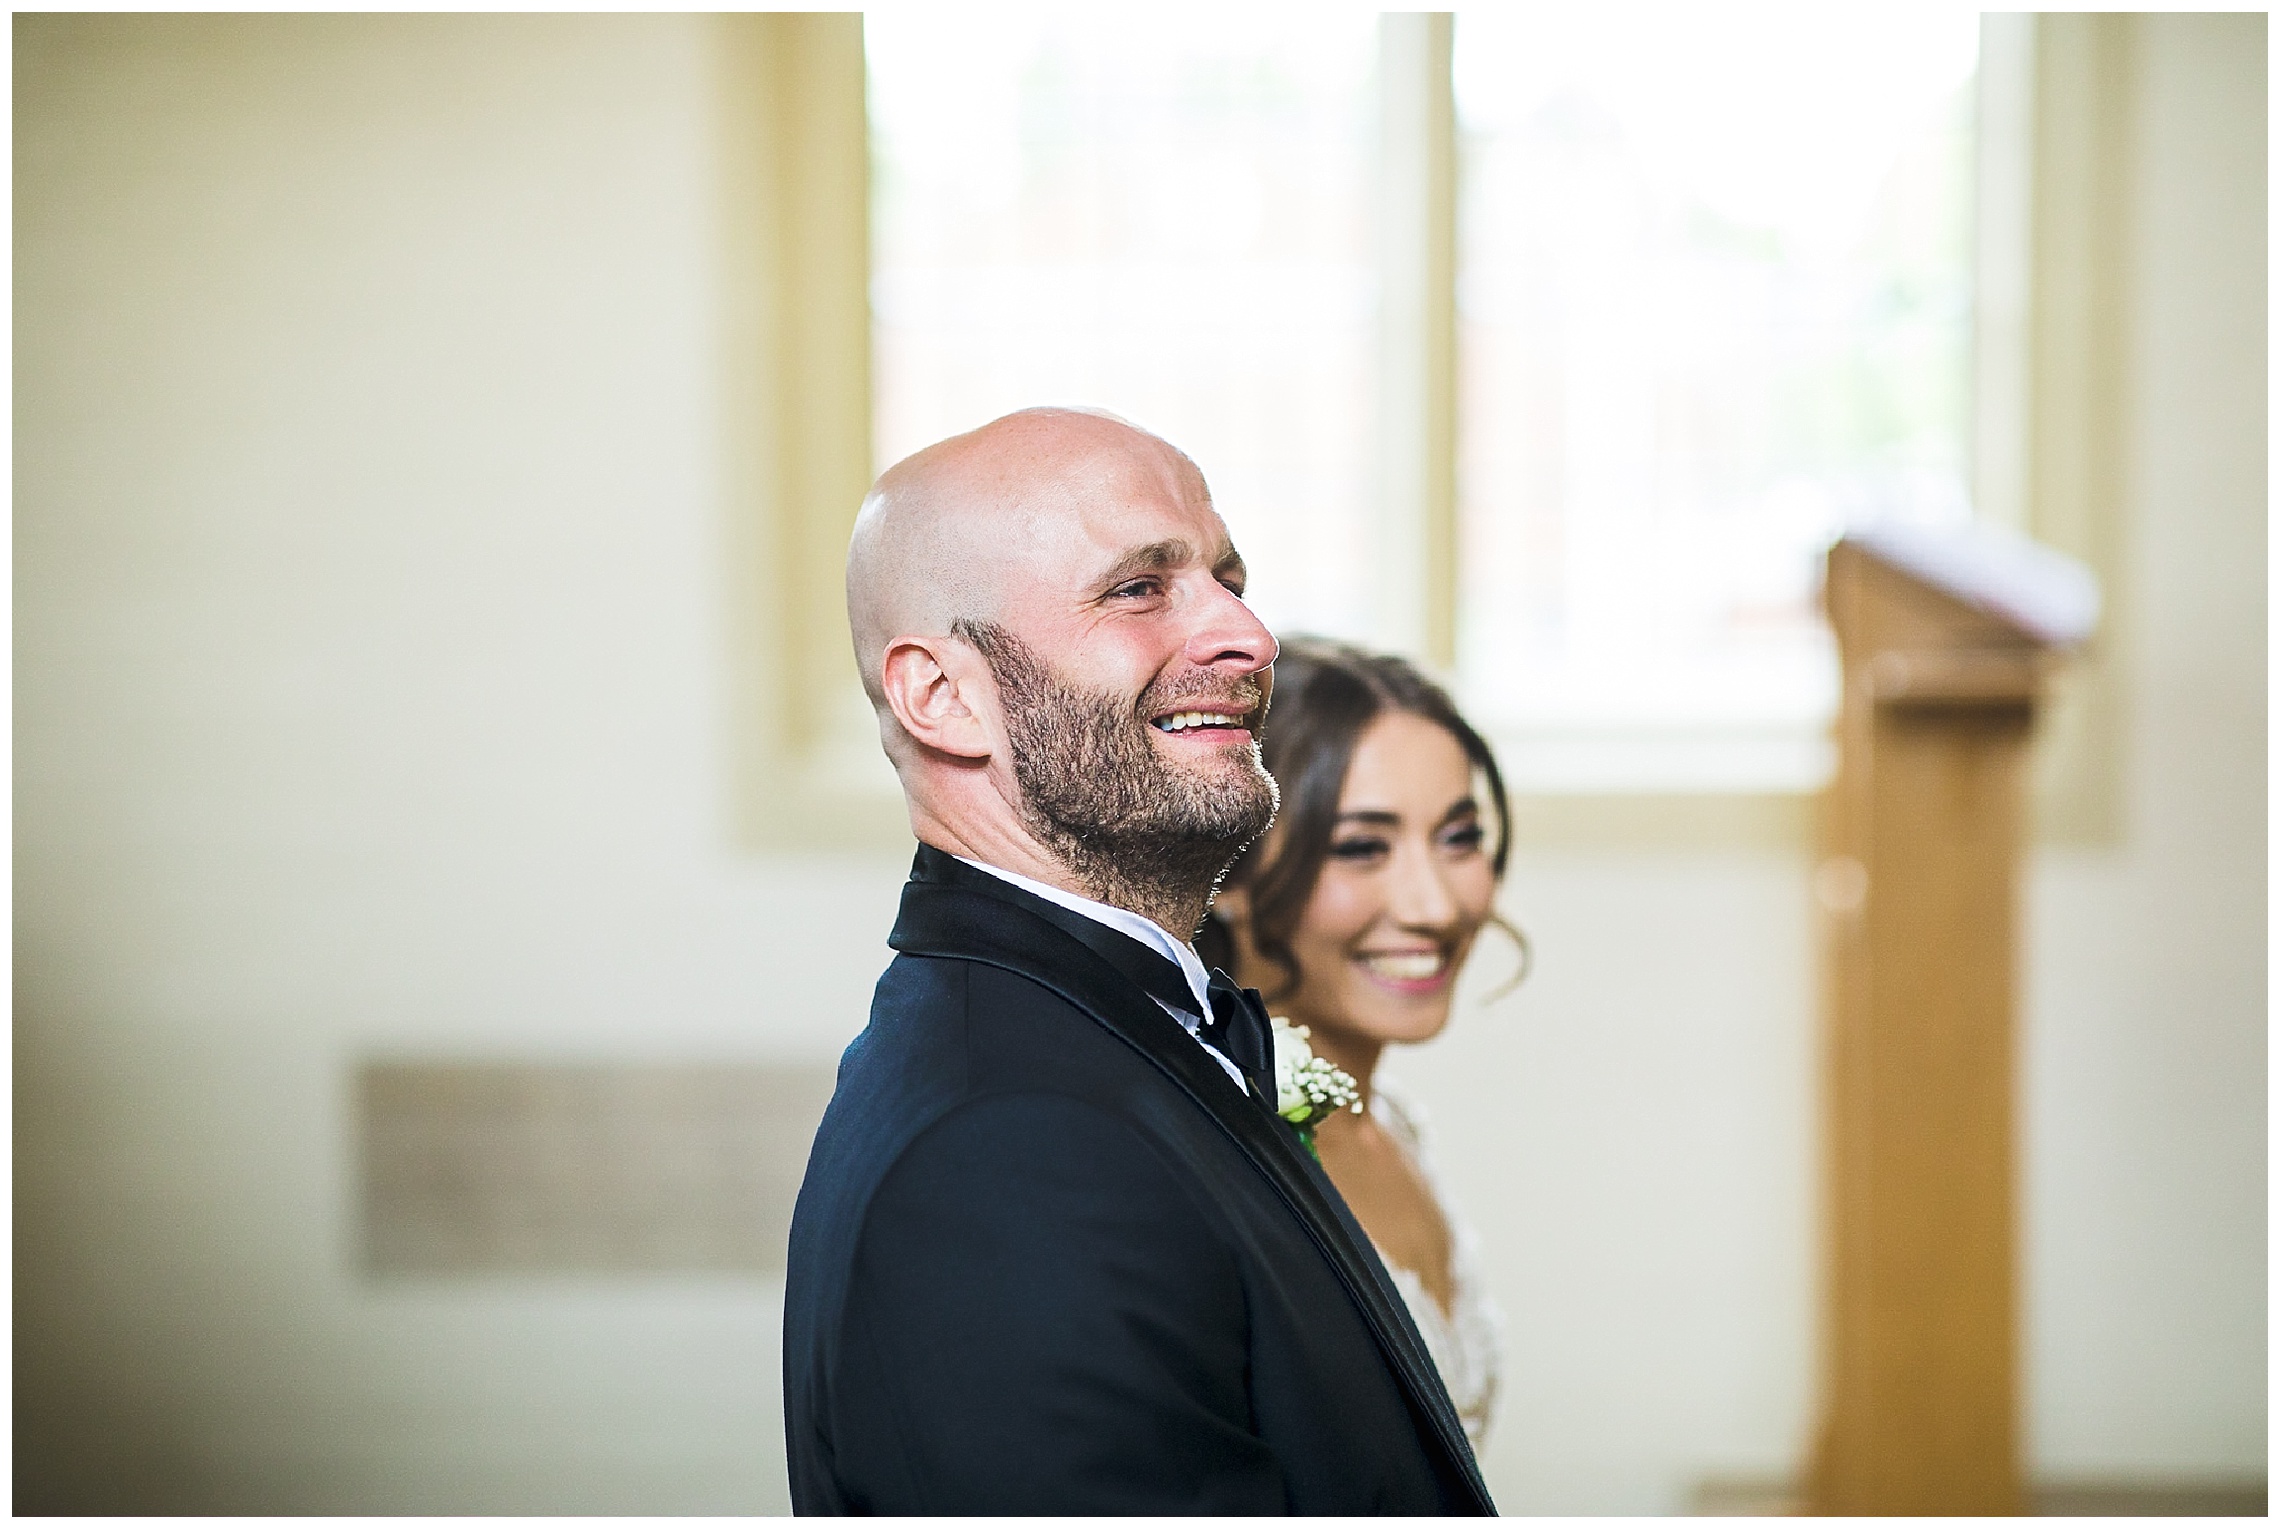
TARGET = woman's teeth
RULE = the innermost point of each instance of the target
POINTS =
(1414, 966)
(1180, 721)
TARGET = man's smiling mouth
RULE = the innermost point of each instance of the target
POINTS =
(1183, 721)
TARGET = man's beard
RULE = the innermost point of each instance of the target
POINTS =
(1138, 830)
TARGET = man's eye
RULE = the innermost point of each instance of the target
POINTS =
(1233, 587)
(1357, 849)
(1138, 589)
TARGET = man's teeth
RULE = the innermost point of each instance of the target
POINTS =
(1411, 967)
(1180, 721)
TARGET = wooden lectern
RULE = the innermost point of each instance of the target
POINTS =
(1945, 640)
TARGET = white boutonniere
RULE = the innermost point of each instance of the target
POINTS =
(1308, 1090)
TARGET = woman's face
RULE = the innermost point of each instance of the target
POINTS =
(1404, 890)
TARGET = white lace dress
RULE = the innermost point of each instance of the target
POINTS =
(1466, 1342)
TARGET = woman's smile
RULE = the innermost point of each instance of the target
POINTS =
(1408, 971)
(1405, 885)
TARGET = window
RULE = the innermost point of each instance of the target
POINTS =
(1714, 303)
(1712, 297)
(1168, 220)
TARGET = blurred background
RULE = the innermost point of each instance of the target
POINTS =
(450, 851)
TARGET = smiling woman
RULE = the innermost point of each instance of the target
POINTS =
(1354, 916)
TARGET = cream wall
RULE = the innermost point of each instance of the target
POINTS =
(373, 690)
(371, 684)
(2146, 1086)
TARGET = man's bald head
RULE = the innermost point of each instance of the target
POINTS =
(1049, 618)
(943, 534)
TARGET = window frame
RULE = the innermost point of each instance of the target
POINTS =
(2047, 356)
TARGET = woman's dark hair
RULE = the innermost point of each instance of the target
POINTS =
(1326, 695)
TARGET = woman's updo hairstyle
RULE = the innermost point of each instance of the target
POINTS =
(1326, 696)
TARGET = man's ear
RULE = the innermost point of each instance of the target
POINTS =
(930, 689)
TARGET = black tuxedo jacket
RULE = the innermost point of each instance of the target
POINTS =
(1049, 1258)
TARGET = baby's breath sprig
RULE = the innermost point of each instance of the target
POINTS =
(1308, 1089)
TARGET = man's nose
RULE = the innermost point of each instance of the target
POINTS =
(1228, 636)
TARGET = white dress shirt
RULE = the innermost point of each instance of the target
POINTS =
(1149, 933)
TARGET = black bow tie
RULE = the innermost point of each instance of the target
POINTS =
(1237, 1026)
(1238, 1029)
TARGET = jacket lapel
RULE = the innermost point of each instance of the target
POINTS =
(951, 910)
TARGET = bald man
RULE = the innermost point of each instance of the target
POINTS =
(1055, 1253)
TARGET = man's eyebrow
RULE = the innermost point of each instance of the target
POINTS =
(1153, 558)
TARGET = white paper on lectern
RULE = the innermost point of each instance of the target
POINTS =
(2044, 592)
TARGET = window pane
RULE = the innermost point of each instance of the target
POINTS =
(1714, 298)
(1166, 219)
